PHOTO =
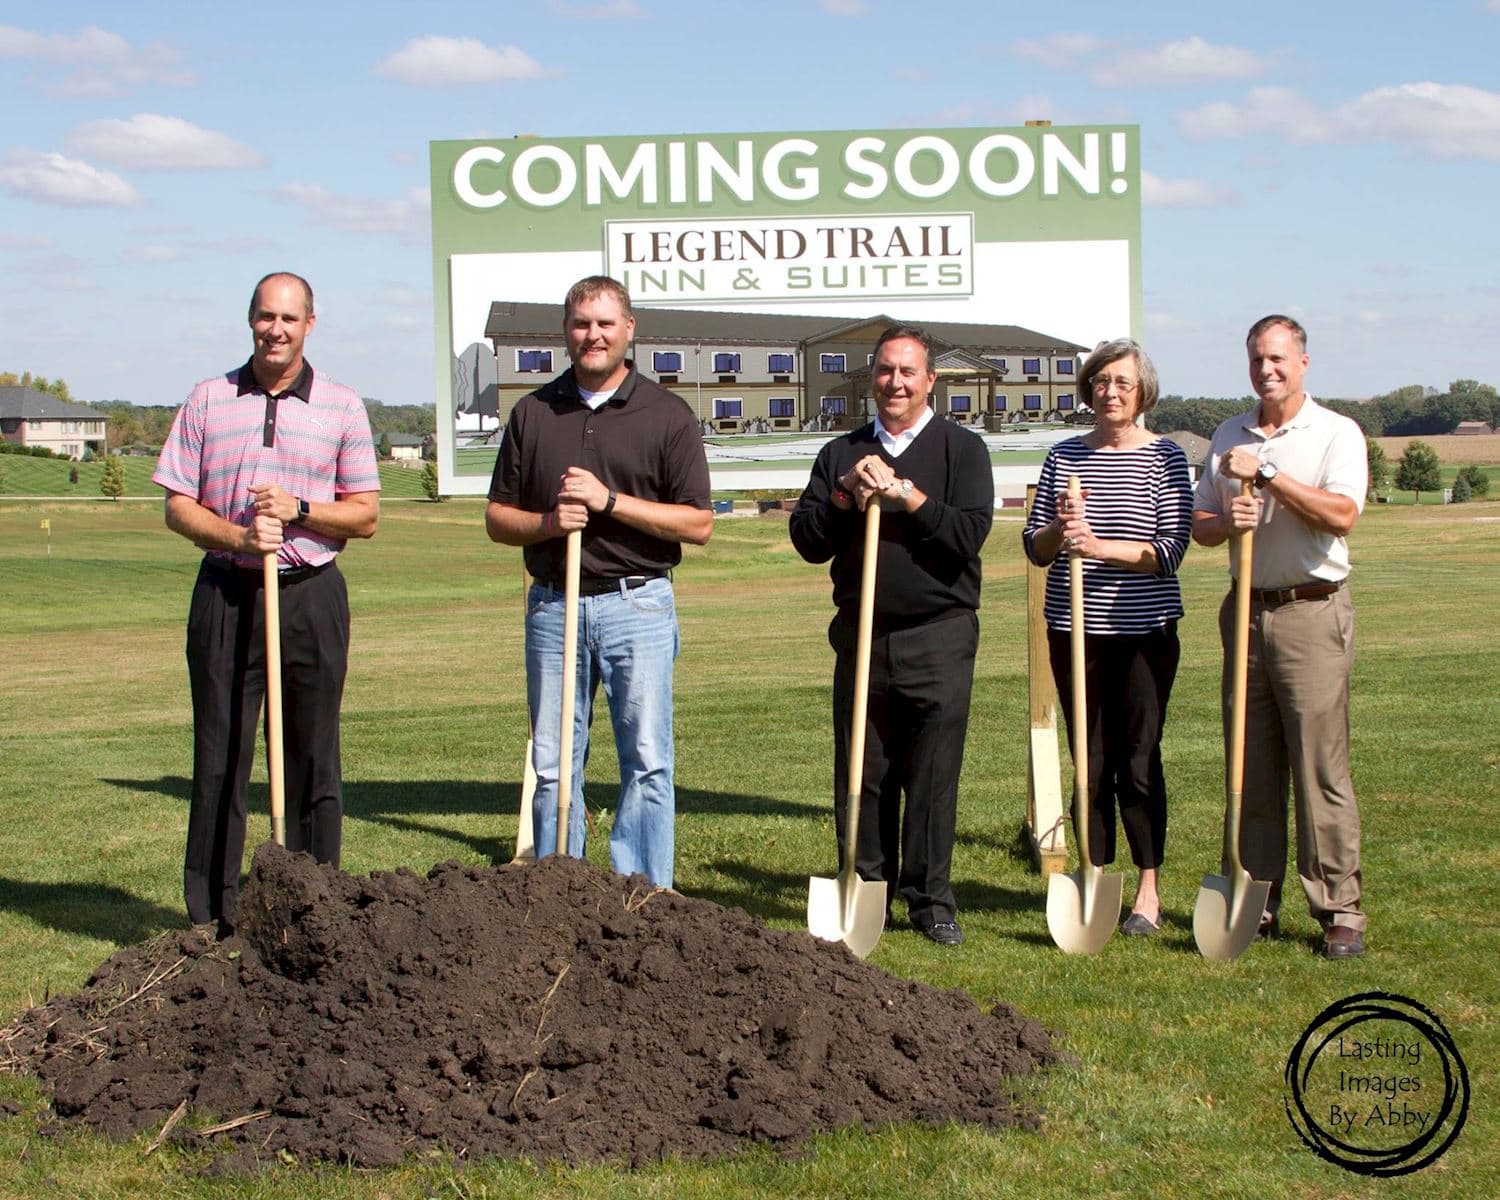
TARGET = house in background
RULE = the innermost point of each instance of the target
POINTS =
(772, 372)
(405, 447)
(32, 418)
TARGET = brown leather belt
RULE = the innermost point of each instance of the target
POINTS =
(1303, 591)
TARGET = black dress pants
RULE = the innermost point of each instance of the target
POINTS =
(1127, 683)
(920, 680)
(226, 653)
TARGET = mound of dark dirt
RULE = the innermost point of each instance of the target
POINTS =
(552, 1012)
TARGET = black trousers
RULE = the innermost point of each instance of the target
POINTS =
(226, 654)
(1127, 681)
(920, 680)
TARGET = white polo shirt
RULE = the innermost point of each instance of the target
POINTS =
(1317, 447)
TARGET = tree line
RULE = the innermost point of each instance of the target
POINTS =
(1412, 411)
(143, 427)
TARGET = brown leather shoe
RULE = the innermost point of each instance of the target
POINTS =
(1340, 941)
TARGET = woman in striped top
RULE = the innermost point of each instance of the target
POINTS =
(1131, 528)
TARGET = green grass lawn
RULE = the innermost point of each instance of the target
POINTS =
(1177, 1090)
(22, 475)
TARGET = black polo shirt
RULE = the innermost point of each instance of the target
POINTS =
(643, 442)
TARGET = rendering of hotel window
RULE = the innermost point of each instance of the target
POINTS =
(779, 364)
(726, 364)
(782, 406)
(1065, 366)
(726, 408)
(831, 364)
(534, 361)
(1031, 366)
(666, 362)
(833, 405)
(1031, 403)
(1065, 402)
(959, 404)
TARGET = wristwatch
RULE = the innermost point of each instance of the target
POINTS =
(1267, 472)
(905, 489)
(302, 510)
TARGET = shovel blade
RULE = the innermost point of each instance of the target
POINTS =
(525, 836)
(1227, 915)
(857, 923)
(1083, 908)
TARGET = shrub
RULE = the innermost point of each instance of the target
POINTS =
(1461, 490)
(1477, 479)
(430, 481)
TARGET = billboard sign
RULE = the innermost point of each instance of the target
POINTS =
(1037, 227)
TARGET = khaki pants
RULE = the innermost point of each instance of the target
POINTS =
(1297, 734)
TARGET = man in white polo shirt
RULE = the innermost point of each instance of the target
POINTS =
(1310, 473)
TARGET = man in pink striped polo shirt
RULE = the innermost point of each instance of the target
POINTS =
(271, 457)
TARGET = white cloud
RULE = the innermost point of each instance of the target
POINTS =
(407, 217)
(151, 253)
(1445, 120)
(1275, 110)
(845, 8)
(102, 63)
(1182, 193)
(54, 179)
(626, 10)
(1060, 51)
(1112, 64)
(23, 241)
(1448, 120)
(437, 61)
(1191, 60)
(150, 142)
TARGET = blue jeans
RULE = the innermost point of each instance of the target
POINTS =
(627, 641)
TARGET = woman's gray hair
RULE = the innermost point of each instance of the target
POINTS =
(1112, 352)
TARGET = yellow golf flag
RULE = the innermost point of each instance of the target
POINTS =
(46, 523)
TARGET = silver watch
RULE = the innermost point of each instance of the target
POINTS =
(905, 489)
(1268, 471)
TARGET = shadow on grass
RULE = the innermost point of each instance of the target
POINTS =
(96, 910)
(178, 787)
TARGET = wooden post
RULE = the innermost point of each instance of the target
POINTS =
(1045, 827)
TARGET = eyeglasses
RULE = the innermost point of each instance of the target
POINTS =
(1122, 385)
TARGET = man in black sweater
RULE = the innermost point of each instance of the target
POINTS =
(933, 480)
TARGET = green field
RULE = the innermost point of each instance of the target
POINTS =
(1177, 1090)
(22, 475)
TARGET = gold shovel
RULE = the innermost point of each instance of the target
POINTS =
(850, 909)
(1083, 907)
(1227, 915)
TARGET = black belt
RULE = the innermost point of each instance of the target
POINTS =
(255, 576)
(1302, 591)
(603, 587)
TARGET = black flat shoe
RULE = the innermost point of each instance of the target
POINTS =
(1138, 925)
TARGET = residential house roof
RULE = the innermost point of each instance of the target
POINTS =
(514, 319)
(30, 404)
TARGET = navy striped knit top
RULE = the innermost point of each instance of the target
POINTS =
(1140, 495)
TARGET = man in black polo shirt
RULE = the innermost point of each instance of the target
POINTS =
(934, 482)
(603, 450)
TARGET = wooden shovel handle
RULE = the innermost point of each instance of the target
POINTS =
(861, 685)
(1239, 674)
(569, 686)
(1080, 692)
(275, 747)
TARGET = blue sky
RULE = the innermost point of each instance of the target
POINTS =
(1336, 160)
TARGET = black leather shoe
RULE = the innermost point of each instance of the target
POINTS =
(1342, 942)
(1270, 927)
(944, 933)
